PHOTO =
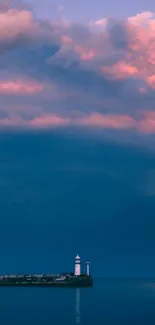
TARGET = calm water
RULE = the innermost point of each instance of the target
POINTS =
(110, 302)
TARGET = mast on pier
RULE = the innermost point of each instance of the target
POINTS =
(88, 267)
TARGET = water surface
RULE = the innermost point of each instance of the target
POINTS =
(110, 302)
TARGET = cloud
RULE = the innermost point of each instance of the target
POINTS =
(68, 74)
(145, 124)
(14, 23)
(20, 87)
(5, 4)
(142, 18)
(120, 70)
(101, 22)
(48, 121)
(108, 121)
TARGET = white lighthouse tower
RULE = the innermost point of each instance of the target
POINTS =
(77, 265)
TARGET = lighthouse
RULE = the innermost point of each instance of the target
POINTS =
(77, 265)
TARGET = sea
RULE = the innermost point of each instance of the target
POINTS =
(108, 302)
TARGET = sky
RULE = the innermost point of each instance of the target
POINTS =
(77, 136)
(63, 193)
(85, 11)
(104, 66)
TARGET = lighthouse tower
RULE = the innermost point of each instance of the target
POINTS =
(77, 265)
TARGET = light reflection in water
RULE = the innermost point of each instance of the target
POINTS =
(77, 306)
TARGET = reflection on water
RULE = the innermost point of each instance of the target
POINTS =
(77, 306)
(110, 301)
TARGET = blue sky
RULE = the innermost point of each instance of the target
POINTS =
(85, 11)
(77, 135)
(62, 193)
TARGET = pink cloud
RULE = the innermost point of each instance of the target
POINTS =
(138, 60)
(66, 39)
(14, 22)
(51, 120)
(101, 22)
(86, 54)
(48, 120)
(151, 81)
(108, 121)
(120, 70)
(20, 87)
(147, 123)
(21, 24)
(41, 121)
(141, 30)
(142, 19)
